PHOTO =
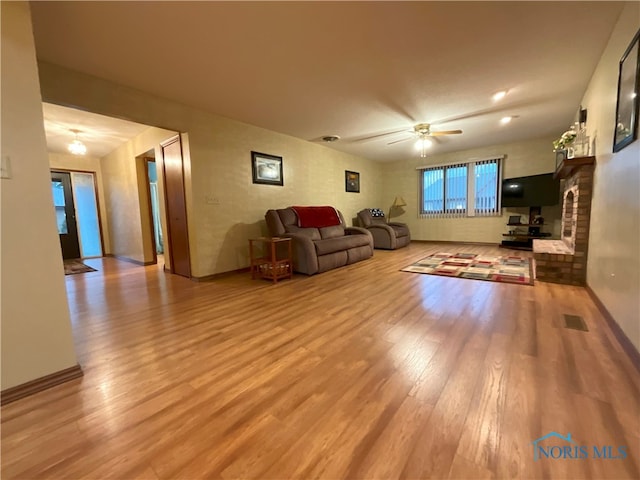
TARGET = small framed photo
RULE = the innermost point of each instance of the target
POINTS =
(266, 169)
(352, 181)
(626, 128)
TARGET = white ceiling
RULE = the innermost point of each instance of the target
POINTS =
(354, 69)
(100, 134)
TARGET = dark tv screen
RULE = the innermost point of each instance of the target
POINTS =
(533, 191)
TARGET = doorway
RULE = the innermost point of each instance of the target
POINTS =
(155, 204)
(76, 206)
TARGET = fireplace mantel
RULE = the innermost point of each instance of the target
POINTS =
(569, 165)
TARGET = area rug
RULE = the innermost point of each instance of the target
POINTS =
(508, 269)
(71, 267)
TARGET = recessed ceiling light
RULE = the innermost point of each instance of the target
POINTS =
(499, 95)
(505, 120)
(330, 138)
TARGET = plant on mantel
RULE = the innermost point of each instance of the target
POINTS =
(565, 140)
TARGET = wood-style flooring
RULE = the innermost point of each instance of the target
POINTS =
(363, 372)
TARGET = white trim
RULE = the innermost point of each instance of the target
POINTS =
(471, 182)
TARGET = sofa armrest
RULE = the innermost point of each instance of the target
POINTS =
(360, 231)
(380, 227)
(305, 259)
(356, 231)
(404, 232)
(383, 236)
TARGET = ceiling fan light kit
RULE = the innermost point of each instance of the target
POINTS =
(499, 95)
(422, 131)
(422, 145)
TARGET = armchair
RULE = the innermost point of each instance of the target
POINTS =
(386, 235)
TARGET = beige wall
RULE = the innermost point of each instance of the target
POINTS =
(531, 157)
(219, 163)
(86, 163)
(124, 181)
(36, 327)
(613, 269)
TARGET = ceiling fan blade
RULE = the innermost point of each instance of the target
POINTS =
(371, 137)
(401, 140)
(446, 132)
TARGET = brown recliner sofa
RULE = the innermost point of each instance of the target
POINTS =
(317, 250)
(386, 235)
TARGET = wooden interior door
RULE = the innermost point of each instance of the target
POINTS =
(178, 241)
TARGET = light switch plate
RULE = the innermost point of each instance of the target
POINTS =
(5, 167)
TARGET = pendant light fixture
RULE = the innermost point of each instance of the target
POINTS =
(77, 147)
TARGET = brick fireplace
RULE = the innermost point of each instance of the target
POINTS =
(565, 260)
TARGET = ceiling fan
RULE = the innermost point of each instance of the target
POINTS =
(423, 131)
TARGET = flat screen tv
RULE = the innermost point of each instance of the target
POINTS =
(533, 191)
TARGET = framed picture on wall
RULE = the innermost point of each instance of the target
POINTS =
(352, 181)
(626, 128)
(266, 169)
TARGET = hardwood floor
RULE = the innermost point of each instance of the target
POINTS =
(362, 372)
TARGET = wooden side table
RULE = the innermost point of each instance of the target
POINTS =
(268, 262)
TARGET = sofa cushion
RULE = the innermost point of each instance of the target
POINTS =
(358, 253)
(312, 233)
(332, 232)
(333, 260)
(288, 216)
(331, 245)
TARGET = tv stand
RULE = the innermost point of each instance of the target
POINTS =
(521, 240)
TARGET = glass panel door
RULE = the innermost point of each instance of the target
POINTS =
(84, 195)
(65, 214)
(57, 189)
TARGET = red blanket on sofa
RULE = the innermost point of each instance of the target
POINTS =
(317, 217)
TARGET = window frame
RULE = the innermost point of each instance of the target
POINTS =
(471, 209)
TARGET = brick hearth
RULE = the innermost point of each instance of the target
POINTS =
(565, 261)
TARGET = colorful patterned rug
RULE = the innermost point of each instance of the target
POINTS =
(507, 269)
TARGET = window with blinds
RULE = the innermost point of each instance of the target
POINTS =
(464, 189)
(487, 187)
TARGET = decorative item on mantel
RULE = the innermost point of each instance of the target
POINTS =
(581, 143)
(575, 141)
(565, 143)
